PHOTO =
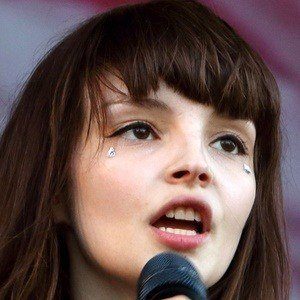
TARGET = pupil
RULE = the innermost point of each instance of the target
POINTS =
(141, 133)
(228, 145)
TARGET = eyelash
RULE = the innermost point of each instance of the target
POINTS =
(242, 148)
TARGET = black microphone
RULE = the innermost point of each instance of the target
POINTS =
(169, 274)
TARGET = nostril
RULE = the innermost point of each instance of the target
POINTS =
(179, 174)
(203, 177)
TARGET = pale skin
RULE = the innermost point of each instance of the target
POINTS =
(114, 197)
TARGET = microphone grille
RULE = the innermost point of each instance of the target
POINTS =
(168, 274)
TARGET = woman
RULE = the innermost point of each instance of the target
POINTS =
(137, 106)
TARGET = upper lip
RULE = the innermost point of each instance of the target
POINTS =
(197, 203)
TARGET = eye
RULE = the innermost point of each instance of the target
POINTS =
(140, 130)
(231, 144)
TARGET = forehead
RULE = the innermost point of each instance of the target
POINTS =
(164, 99)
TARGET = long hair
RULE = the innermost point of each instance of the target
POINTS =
(195, 53)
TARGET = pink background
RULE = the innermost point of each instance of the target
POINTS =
(29, 28)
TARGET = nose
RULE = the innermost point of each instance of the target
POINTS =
(190, 168)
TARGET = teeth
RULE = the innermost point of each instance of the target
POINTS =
(189, 214)
(178, 231)
(181, 213)
(170, 214)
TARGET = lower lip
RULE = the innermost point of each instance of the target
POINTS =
(179, 241)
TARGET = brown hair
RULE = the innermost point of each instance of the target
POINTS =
(197, 54)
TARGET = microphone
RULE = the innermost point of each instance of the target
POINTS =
(169, 274)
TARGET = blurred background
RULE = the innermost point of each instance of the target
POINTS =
(28, 29)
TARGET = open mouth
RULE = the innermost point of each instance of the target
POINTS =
(182, 224)
(180, 234)
(179, 226)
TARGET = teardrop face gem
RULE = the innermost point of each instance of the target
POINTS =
(111, 152)
(247, 169)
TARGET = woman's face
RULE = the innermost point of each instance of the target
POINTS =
(115, 197)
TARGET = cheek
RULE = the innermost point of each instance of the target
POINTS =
(127, 180)
(102, 200)
(239, 201)
(107, 199)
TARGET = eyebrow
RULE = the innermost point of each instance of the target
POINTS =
(156, 104)
(146, 103)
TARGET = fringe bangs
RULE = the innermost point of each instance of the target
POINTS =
(211, 66)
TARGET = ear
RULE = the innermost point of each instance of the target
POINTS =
(60, 212)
